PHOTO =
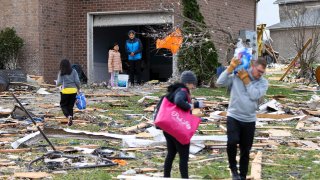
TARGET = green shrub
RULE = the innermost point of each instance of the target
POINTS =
(198, 52)
(10, 45)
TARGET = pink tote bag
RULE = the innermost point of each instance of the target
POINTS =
(178, 123)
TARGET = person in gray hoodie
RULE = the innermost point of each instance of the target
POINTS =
(69, 80)
(247, 87)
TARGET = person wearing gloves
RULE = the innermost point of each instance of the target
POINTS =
(134, 51)
(179, 94)
(69, 80)
(247, 87)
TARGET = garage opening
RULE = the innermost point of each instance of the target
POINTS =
(156, 64)
(108, 27)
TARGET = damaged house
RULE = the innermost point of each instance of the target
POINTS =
(83, 30)
(299, 21)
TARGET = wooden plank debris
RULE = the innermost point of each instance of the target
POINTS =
(197, 112)
(274, 127)
(8, 125)
(150, 108)
(110, 95)
(136, 127)
(144, 177)
(269, 116)
(206, 160)
(300, 125)
(278, 133)
(5, 162)
(296, 58)
(31, 175)
(256, 166)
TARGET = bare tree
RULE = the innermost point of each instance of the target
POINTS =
(304, 23)
(200, 36)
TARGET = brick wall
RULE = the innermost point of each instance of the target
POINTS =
(228, 15)
(55, 35)
(23, 15)
(79, 19)
(54, 30)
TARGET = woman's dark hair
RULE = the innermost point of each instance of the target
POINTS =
(114, 44)
(65, 67)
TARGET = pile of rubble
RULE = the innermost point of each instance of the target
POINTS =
(26, 154)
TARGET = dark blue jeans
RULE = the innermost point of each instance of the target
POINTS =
(241, 133)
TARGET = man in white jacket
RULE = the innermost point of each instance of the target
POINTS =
(247, 87)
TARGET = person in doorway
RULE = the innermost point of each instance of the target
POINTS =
(247, 87)
(69, 80)
(114, 64)
(179, 94)
(134, 51)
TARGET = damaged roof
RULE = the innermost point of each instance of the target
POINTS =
(309, 19)
(293, 1)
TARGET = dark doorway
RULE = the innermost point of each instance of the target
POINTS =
(157, 64)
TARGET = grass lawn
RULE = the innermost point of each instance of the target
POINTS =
(283, 163)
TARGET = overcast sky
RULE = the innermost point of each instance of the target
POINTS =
(268, 13)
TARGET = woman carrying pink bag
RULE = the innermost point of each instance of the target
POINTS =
(179, 97)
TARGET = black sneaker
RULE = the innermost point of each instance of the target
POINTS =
(243, 177)
(70, 118)
(235, 175)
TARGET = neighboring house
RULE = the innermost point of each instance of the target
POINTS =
(83, 30)
(307, 18)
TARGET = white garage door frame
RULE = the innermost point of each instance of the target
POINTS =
(120, 18)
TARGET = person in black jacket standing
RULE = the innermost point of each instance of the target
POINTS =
(179, 94)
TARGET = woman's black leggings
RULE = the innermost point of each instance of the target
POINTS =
(173, 147)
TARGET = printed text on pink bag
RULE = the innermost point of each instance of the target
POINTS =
(175, 116)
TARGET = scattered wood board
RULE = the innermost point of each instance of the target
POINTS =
(150, 108)
(8, 125)
(296, 58)
(206, 160)
(197, 112)
(278, 133)
(315, 113)
(274, 78)
(274, 127)
(267, 116)
(213, 145)
(5, 162)
(16, 150)
(136, 127)
(63, 121)
(47, 106)
(141, 149)
(144, 177)
(146, 170)
(31, 175)
(144, 135)
(256, 166)
(310, 144)
(109, 95)
(300, 125)
(6, 139)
